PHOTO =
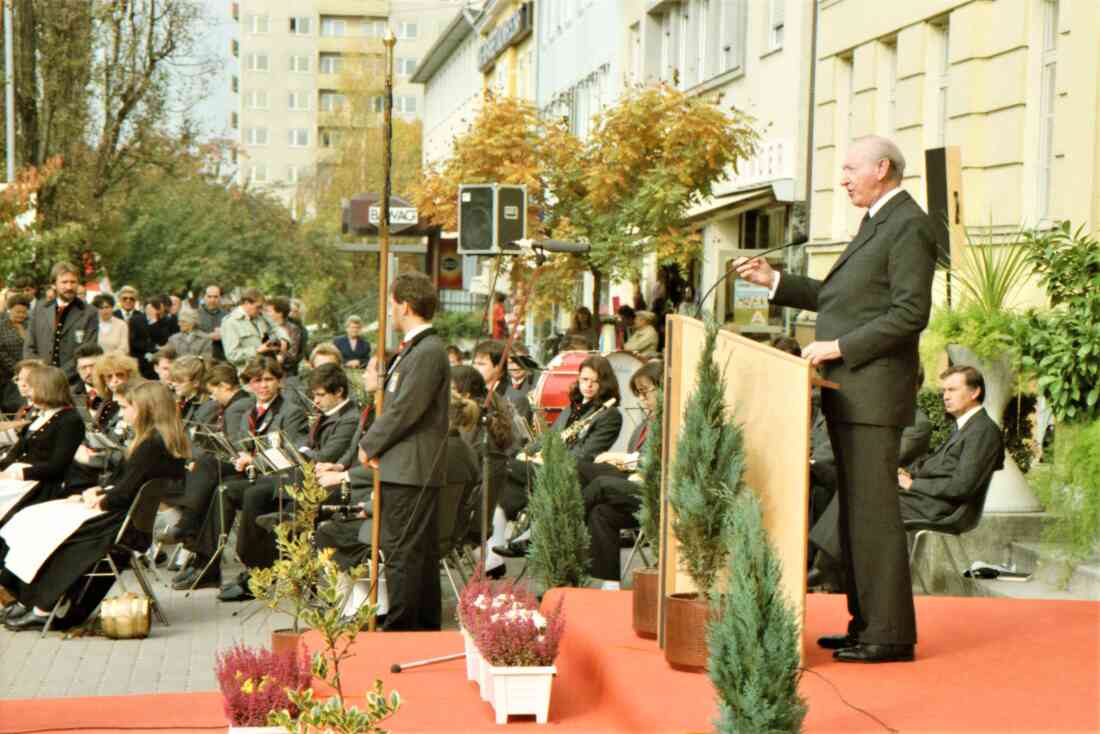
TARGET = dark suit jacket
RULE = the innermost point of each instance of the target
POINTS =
(334, 434)
(49, 450)
(599, 437)
(409, 436)
(361, 351)
(875, 301)
(956, 471)
(281, 415)
(915, 439)
(82, 321)
(141, 342)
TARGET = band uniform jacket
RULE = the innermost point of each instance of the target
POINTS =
(600, 435)
(408, 438)
(956, 472)
(80, 326)
(876, 300)
(333, 434)
(281, 415)
(49, 451)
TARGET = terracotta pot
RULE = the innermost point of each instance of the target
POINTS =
(285, 640)
(647, 585)
(686, 618)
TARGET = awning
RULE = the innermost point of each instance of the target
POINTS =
(731, 204)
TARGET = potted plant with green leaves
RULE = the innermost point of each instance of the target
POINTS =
(289, 585)
(646, 582)
(256, 683)
(707, 473)
(981, 329)
(560, 541)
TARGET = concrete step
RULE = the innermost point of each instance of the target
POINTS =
(1031, 589)
(1053, 565)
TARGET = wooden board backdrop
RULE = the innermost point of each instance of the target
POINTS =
(769, 392)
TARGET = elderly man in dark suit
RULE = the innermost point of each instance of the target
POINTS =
(951, 476)
(61, 325)
(406, 444)
(872, 306)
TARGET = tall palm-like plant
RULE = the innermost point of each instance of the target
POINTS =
(992, 272)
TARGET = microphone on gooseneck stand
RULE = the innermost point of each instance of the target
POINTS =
(799, 240)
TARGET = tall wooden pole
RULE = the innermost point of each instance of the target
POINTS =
(383, 304)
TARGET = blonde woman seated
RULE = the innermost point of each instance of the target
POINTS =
(112, 372)
(159, 451)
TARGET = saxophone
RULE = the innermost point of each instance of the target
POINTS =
(571, 434)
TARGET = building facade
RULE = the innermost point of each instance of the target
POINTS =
(295, 58)
(1012, 83)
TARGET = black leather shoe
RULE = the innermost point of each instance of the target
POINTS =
(497, 572)
(837, 642)
(237, 592)
(241, 580)
(186, 580)
(514, 549)
(27, 621)
(15, 610)
(875, 654)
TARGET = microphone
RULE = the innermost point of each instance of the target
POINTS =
(801, 239)
(529, 246)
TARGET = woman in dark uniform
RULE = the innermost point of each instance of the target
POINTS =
(159, 451)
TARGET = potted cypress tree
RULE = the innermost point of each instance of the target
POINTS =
(560, 542)
(646, 581)
(706, 476)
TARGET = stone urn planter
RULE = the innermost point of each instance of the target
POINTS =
(647, 588)
(1009, 491)
(686, 618)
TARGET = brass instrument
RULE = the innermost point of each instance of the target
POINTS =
(571, 434)
(538, 419)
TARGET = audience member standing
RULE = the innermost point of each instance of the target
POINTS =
(62, 324)
(211, 314)
(189, 340)
(114, 335)
(138, 328)
(13, 334)
(355, 351)
(162, 325)
(246, 333)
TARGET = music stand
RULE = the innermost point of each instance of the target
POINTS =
(273, 453)
(217, 444)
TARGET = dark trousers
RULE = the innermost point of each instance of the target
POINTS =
(609, 504)
(515, 492)
(410, 547)
(872, 539)
(200, 488)
(205, 532)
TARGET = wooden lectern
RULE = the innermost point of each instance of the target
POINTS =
(770, 392)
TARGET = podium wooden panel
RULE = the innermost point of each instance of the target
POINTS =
(769, 392)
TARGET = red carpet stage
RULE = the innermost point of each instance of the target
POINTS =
(991, 665)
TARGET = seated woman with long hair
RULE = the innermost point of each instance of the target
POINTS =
(45, 449)
(112, 372)
(160, 450)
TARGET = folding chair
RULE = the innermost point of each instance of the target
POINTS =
(962, 520)
(140, 516)
(637, 548)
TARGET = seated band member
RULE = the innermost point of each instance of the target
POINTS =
(489, 361)
(270, 415)
(159, 450)
(46, 446)
(85, 397)
(590, 426)
(112, 371)
(945, 480)
(187, 380)
(26, 412)
(231, 406)
(295, 389)
(330, 436)
(467, 383)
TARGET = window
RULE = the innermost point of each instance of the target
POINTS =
(890, 50)
(776, 12)
(298, 137)
(330, 138)
(404, 104)
(702, 39)
(847, 67)
(331, 64)
(299, 64)
(1047, 104)
(298, 101)
(255, 99)
(293, 174)
(683, 20)
(407, 31)
(332, 101)
(257, 24)
(943, 81)
(301, 25)
(731, 35)
(255, 135)
(668, 47)
(257, 61)
(374, 27)
(257, 173)
(333, 27)
(378, 104)
(406, 66)
(635, 51)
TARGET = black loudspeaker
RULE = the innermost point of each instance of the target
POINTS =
(942, 176)
(490, 217)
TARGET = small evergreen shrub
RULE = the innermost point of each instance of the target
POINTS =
(560, 542)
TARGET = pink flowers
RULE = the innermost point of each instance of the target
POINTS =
(506, 624)
(254, 682)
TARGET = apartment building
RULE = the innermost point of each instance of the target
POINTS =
(295, 60)
(1012, 83)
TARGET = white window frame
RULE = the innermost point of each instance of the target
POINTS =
(329, 138)
(336, 61)
(298, 137)
(731, 37)
(298, 100)
(378, 104)
(943, 81)
(683, 27)
(299, 68)
(891, 51)
(333, 27)
(1048, 103)
(777, 25)
(373, 27)
(403, 102)
(331, 101)
(403, 30)
(406, 66)
(257, 136)
(258, 24)
(301, 25)
(258, 62)
(293, 174)
(257, 173)
(256, 99)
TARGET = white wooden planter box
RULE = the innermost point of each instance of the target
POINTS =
(520, 690)
(256, 730)
(473, 657)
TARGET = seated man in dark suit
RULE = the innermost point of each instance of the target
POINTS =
(952, 475)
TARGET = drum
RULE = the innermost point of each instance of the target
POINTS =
(552, 390)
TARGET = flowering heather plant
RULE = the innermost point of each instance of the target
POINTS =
(254, 682)
(512, 632)
(481, 595)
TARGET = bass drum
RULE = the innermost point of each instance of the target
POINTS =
(551, 394)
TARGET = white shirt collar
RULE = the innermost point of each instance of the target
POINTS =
(337, 409)
(962, 419)
(882, 201)
(44, 416)
(414, 331)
